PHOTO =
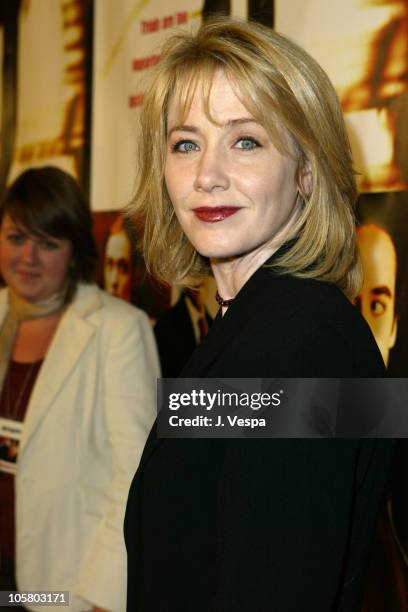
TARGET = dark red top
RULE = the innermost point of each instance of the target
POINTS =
(17, 388)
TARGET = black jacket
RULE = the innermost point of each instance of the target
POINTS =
(175, 338)
(259, 525)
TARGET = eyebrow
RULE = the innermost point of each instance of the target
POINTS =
(195, 130)
(10, 225)
(382, 290)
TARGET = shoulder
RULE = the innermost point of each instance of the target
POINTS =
(90, 299)
(338, 329)
(314, 324)
(323, 304)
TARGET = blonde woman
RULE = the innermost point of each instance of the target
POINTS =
(245, 170)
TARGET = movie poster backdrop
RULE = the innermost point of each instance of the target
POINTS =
(52, 50)
(46, 51)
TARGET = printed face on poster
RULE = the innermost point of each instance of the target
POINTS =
(122, 271)
(383, 245)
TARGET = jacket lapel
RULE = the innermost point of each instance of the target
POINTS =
(3, 304)
(71, 338)
(222, 331)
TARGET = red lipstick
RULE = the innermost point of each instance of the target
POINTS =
(213, 214)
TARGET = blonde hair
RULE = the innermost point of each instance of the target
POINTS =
(282, 86)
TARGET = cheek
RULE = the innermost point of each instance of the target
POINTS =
(266, 181)
(7, 257)
(4, 256)
(382, 323)
(178, 183)
(168, 178)
(126, 280)
(171, 188)
(58, 265)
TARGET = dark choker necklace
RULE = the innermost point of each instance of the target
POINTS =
(223, 302)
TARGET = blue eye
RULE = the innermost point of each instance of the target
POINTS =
(247, 143)
(185, 146)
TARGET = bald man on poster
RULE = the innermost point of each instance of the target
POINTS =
(377, 298)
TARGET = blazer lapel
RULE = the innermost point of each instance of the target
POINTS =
(3, 304)
(221, 333)
(71, 338)
(224, 329)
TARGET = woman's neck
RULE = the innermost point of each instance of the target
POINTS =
(232, 274)
(34, 338)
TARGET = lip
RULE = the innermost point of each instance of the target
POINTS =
(25, 274)
(214, 214)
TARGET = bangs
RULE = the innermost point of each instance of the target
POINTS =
(196, 79)
(188, 81)
(37, 217)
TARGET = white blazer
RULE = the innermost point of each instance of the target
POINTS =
(89, 414)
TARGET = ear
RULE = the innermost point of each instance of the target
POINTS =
(306, 180)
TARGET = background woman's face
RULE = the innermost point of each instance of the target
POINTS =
(117, 265)
(34, 268)
(232, 191)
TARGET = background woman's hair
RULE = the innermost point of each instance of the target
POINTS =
(283, 87)
(47, 200)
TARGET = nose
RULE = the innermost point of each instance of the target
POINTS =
(30, 251)
(114, 279)
(212, 172)
(115, 275)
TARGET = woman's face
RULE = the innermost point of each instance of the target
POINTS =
(34, 268)
(233, 193)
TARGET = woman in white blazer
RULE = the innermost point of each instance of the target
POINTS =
(77, 376)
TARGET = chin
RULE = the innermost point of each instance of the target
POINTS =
(216, 251)
(31, 297)
(26, 294)
(219, 252)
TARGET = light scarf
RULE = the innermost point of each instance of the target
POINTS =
(23, 310)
